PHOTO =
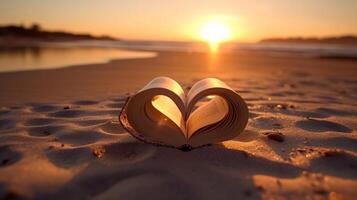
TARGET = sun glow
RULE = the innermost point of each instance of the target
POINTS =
(215, 33)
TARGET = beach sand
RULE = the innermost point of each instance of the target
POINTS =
(60, 137)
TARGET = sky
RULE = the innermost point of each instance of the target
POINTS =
(248, 20)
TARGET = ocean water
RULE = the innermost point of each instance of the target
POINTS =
(57, 55)
(314, 50)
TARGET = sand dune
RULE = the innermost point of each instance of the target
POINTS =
(300, 142)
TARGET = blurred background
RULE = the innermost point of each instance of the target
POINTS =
(37, 34)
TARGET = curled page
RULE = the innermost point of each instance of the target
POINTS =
(155, 113)
(230, 113)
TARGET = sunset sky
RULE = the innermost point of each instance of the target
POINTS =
(183, 19)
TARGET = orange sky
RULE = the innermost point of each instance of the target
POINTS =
(183, 19)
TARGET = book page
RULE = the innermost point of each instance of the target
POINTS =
(168, 84)
(169, 108)
(222, 118)
(209, 113)
(168, 105)
(200, 86)
(156, 112)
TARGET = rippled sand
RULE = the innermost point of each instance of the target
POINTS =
(300, 142)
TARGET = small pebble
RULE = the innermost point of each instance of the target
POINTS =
(99, 151)
(281, 106)
(276, 136)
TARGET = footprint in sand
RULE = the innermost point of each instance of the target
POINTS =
(267, 123)
(44, 131)
(40, 121)
(72, 157)
(8, 156)
(78, 137)
(68, 113)
(91, 122)
(85, 102)
(335, 112)
(336, 163)
(45, 108)
(315, 125)
(74, 113)
(116, 105)
(112, 128)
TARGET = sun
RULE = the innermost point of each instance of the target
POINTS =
(215, 33)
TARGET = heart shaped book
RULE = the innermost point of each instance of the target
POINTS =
(161, 113)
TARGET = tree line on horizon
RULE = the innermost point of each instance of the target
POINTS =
(35, 31)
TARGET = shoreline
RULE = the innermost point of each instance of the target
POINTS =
(56, 57)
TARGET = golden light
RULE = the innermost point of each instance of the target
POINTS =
(214, 33)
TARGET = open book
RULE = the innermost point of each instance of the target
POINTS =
(161, 113)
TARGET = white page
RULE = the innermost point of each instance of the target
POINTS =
(169, 108)
(168, 84)
(209, 113)
(152, 123)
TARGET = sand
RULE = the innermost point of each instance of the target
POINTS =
(60, 137)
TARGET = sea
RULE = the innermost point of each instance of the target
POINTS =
(65, 54)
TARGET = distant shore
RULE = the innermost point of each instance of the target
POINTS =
(350, 40)
(20, 36)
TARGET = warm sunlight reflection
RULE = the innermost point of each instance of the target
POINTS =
(215, 33)
(167, 107)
